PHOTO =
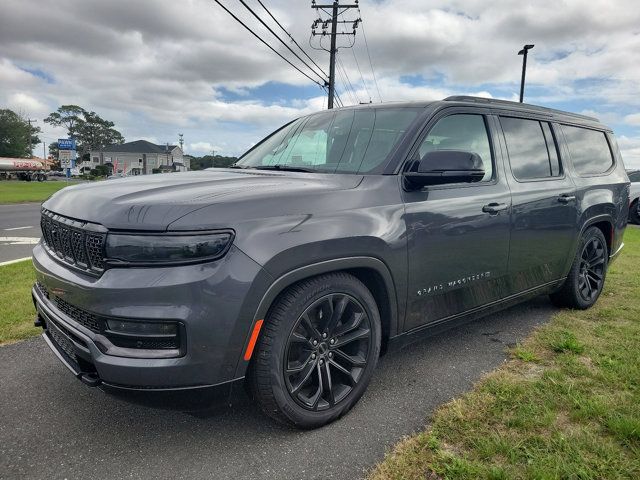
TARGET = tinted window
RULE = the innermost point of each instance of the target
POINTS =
(634, 177)
(467, 133)
(589, 150)
(532, 150)
(345, 141)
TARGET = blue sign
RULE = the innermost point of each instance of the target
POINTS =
(66, 144)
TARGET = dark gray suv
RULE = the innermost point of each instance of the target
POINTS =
(339, 235)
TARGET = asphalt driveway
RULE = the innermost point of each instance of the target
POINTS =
(19, 230)
(52, 426)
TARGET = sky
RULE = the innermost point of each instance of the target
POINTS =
(158, 68)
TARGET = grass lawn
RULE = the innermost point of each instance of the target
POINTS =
(566, 405)
(16, 308)
(14, 191)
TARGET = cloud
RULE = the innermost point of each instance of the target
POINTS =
(630, 150)
(160, 68)
(633, 119)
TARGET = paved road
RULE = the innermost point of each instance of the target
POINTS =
(52, 426)
(19, 230)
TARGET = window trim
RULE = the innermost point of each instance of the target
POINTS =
(605, 133)
(428, 126)
(553, 134)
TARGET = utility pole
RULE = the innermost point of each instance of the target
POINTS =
(523, 52)
(181, 141)
(336, 11)
(30, 135)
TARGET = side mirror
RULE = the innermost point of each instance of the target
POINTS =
(444, 166)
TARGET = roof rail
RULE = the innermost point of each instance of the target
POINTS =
(526, 106)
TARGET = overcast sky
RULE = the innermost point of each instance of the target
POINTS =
(159, 68)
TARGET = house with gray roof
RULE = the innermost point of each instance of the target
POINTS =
(139, 157)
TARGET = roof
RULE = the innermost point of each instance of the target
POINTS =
(138, 146)
(517, 106)
(490, 103)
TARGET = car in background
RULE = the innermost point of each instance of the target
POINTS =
(634, 197)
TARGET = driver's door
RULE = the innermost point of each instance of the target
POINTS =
(458, 248)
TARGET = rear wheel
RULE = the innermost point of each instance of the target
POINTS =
(634, 212)
(586, 277)
(317, 351)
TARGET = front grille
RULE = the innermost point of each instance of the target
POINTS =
(79, 244)
(62, 341)
(84, 318)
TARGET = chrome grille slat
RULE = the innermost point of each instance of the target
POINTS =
(76, 243)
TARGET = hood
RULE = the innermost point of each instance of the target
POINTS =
(153, 202)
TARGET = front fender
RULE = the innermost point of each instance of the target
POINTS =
(327, 266)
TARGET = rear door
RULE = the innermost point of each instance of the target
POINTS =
(544, 211)
(458, 234)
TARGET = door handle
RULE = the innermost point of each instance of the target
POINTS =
(566, 198)
(494, 208)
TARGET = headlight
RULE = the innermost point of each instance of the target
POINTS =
(166, 248)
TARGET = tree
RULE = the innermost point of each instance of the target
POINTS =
(208, 161)
(90, 130)
(15, 133)
(53, 152)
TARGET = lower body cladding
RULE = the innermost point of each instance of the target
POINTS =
(171, 337)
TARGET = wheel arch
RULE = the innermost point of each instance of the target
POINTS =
(605, 224)
(372, 272)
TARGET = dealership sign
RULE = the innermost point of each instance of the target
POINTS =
(66, 158)
(66, 144)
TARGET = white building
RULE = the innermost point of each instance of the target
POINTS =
(139, 158)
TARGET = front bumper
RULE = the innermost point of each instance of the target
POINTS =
(215, 302)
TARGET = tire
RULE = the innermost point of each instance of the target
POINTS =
(634, 212)
(586, 278)
(288, 369)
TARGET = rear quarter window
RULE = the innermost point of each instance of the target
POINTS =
(589, 150)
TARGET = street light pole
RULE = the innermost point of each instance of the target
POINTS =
(523, 52)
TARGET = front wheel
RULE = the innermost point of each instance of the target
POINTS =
(317, 351)
(588, 271)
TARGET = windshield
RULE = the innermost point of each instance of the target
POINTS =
(346, 141)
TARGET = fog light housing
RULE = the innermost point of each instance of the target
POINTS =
(140, 334)
(142, 328)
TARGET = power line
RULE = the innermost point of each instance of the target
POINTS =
(361, 76)
(263, 41)
(293, 39)
(348, 82)
(282, 41)
(335, 12)
(375, 81)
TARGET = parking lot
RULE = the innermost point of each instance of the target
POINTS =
(19, 230)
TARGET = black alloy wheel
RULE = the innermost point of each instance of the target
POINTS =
(317, 350)
(586, 278)
(327, 351)
(592, 265)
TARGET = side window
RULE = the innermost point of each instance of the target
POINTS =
(634, 177)
(464, 132)
(531, 148)
(589, 149)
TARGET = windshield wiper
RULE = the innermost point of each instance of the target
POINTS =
(285, 168)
